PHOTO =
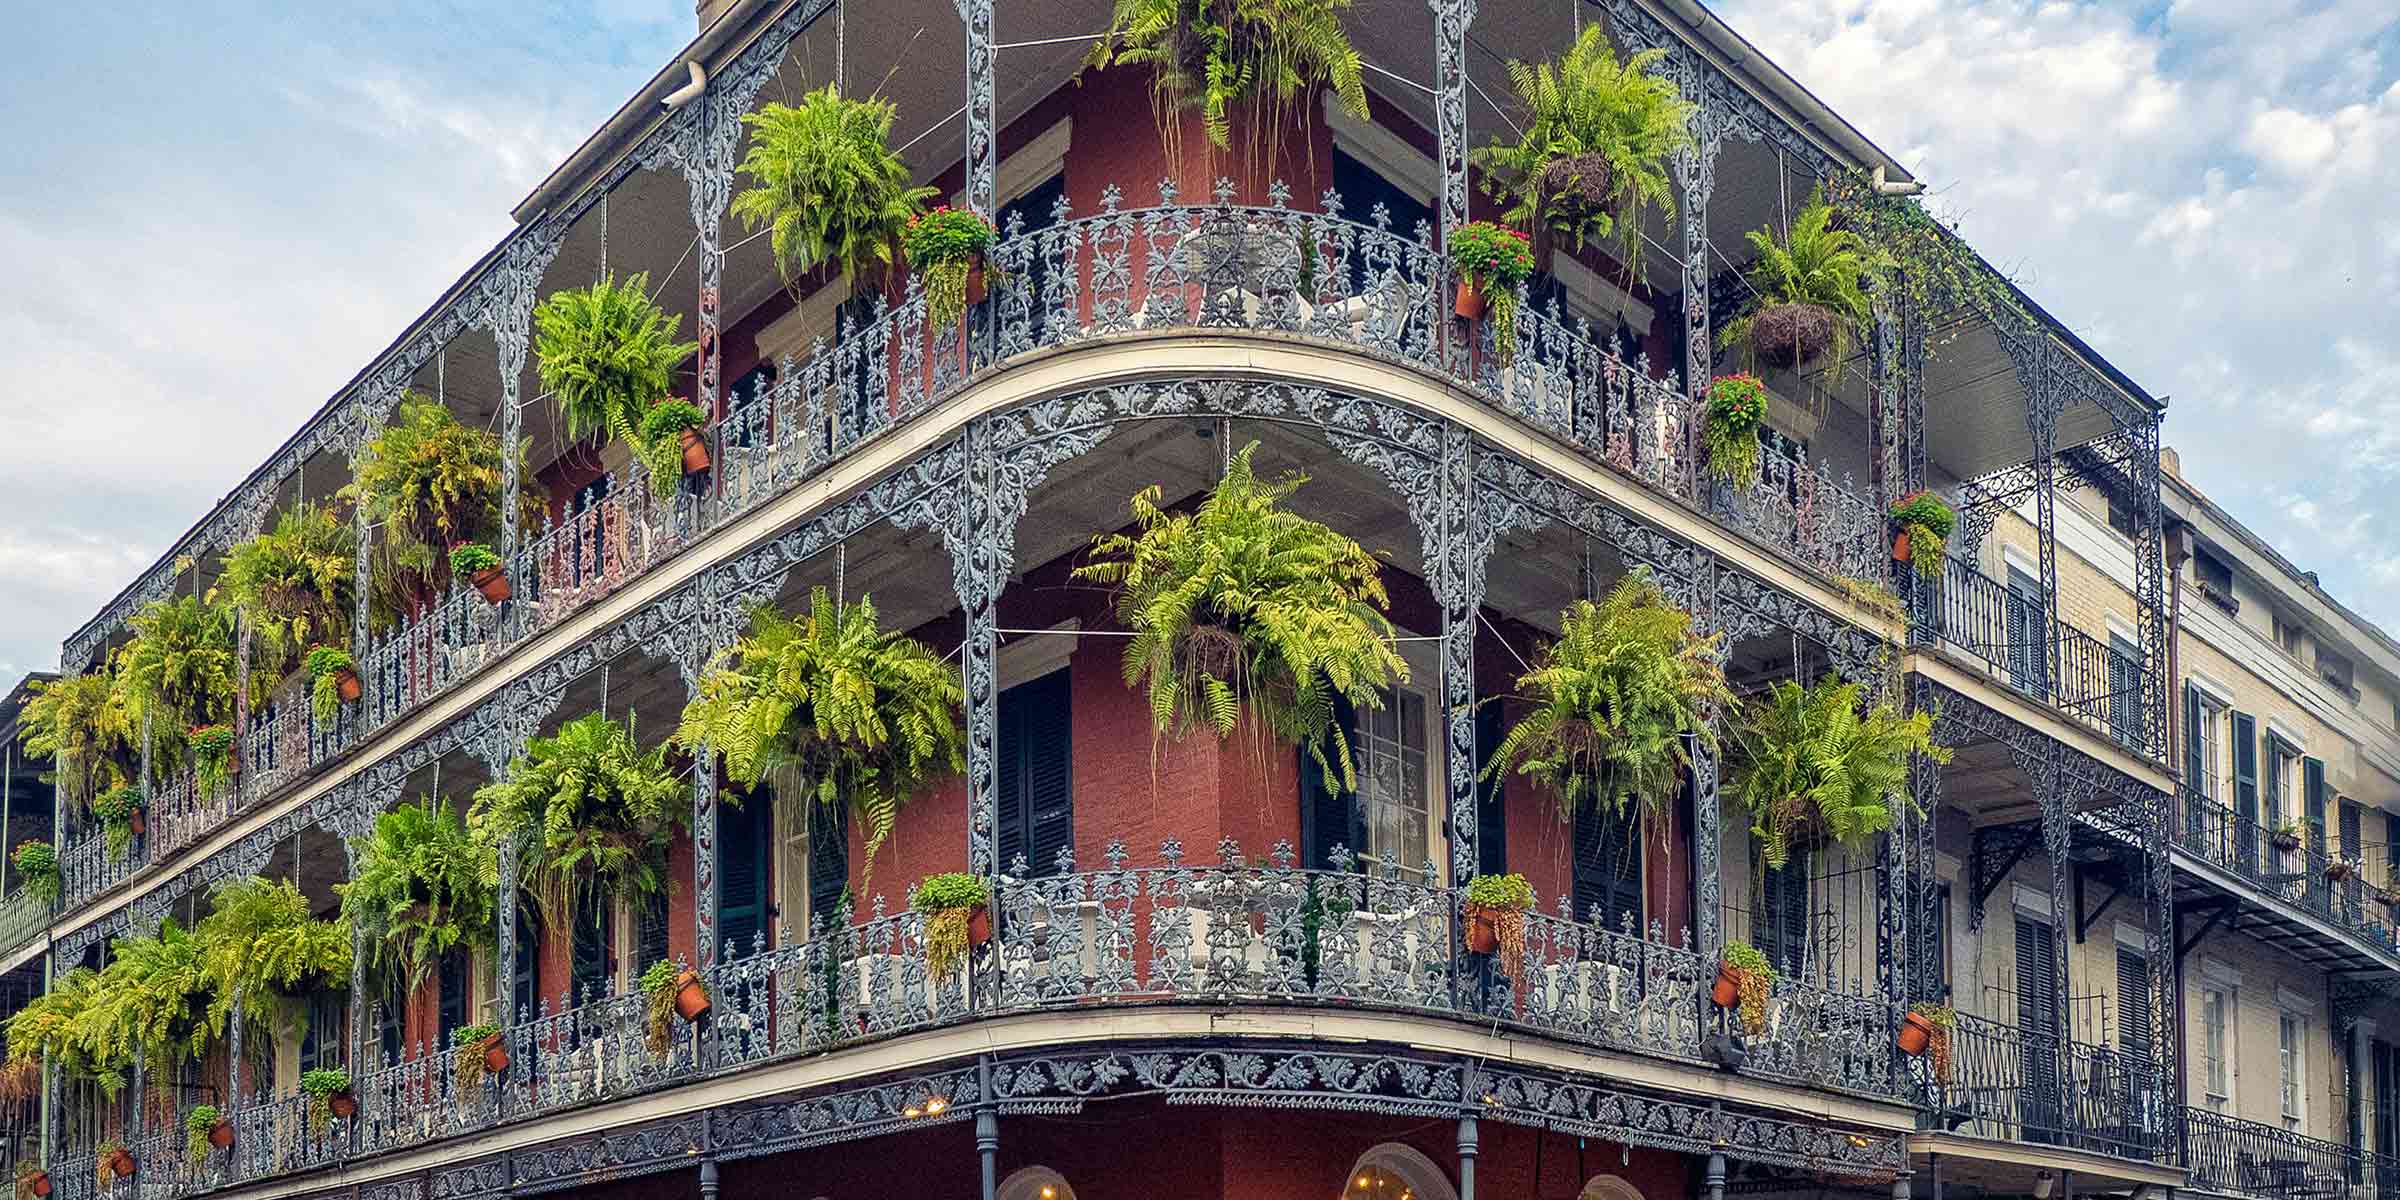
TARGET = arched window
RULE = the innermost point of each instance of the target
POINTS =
(1608, 1187)
(1392, 1171)
(1035, 1183)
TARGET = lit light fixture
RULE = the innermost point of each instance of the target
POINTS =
(912, 1111)
(1049, 1193)
(2042, 1184)
(935, 1106)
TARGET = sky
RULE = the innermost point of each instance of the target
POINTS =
(213, 214)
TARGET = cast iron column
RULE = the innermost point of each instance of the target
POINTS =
(982, 115)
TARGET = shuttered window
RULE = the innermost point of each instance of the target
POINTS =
(1491, 815)
(1608, 867)
(2125, 691)
(1329, 816)
(2133, 1004)
(2027, 655)
(2037, 1017)
(745, 847)
(2316, 792)
(1036, 774)
(450, 977)
(593, 970)
(2245, 787)
(1782, 924)
(828, 861)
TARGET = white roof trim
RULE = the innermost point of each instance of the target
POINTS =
(2031, 901)
(2010, 556)
(2291, 1001)
(2132, 937)
(2217, 970)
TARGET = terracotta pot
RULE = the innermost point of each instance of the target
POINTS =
(345, 681)
(1483, 932)
(495, 1055)
(220, 1135)
(977, 288)
(1916, 1033)
(233, 764)
(1470, 302)
(492, 582)
(2286, 842)
(1900, 547)
(138, 822)
(1727, 991)
(2337, 871)
(695, 452)
(691, 1000)
(121, 1162)
(39, 1183)
(979, 926)
(343, 1105)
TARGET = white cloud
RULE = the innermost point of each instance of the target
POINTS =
(2211, 186)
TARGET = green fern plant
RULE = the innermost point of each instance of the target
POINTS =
(428, 481)
(826, 182)
(262, 948)
(1813, 762)
(422, 887)
(600, 812)
(1614, 699)
(1598, 132)
(831, 706)
(1244, 607)
(1210, 55)
(50, 1029)
(605, 353)
(296, 582)
(178, 670)
(151, 1005)
(81, 724)
(1810, 288)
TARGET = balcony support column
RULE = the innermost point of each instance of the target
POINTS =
(354, 1036)
(233, 1059)
(1467, 1136)
(1450, 21)
(1925, 786)
(506, 986)
(1459, 542)
(2050, 790)
(706, 893)
(508, 296)
(1696, 176)
(987, 1128)
(983, 118)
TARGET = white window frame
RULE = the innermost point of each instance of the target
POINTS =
(1424, 672)
(2216, 764)
(2291, 1052)
(2227, 1021)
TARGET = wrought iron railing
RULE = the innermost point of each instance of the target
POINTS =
(22, 919)
(1975, 613)
(1174, 266)
(2228, 1155)
(2012, 1084)
(1233, 931)
(2290, 865)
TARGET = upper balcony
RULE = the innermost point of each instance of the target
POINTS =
(2282, 886)
(1344, 265)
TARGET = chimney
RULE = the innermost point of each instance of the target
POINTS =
(709, 10)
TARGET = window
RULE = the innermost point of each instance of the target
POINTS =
(1394, 786)
(451, 1008)
(2287, 634)
(1035, 1183)
(592, 963)
(1393, 1170)
(2124, 690)
(2120, 515)
(1036, 774)
(745, 850)
(2291, 1052)
(2216, 1047)
(1608, 867)
(1937, 938)
(2028, 633)
(2208, 749)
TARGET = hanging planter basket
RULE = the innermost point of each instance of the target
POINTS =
(2338, 871)
(695, 452)
(1727, 990)
(495, 1054)
(2285, 840)
(120, 1163)
(137, 821)
(38, 1183)
(1916, 1033)
(1790, 336)
(979, 926)
(220, 1135)
(343, 1104)
(492, 582)
(1470, 301)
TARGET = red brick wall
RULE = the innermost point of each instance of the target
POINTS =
(1144, 1148)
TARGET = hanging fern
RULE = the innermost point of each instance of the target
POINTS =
(422, 888)
(599, 810)
(604, 353)
(1813, 268)
(151, 1005)
(296, 583)
(1241, 606)
(428, 481)
(1812, 763)
(50, 1029)
(832, 706)
(827, 184)
(1593, 155)
(1210, 55)
(178, 671)
(262, 947)
(81, 724)
(1614, 699)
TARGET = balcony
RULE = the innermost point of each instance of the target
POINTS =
(2244, 1158)
(2010, 1084)
(1120, 274)
(2318, 897)
(1231, 932)
(2002, 630)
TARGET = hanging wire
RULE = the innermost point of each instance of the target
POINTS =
(604, 238)
(841, 574)
(841, 44)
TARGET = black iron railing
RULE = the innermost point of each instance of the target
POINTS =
(2229, 1155)
(2290, 865)
(2012, 1084)
(2007, 629)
